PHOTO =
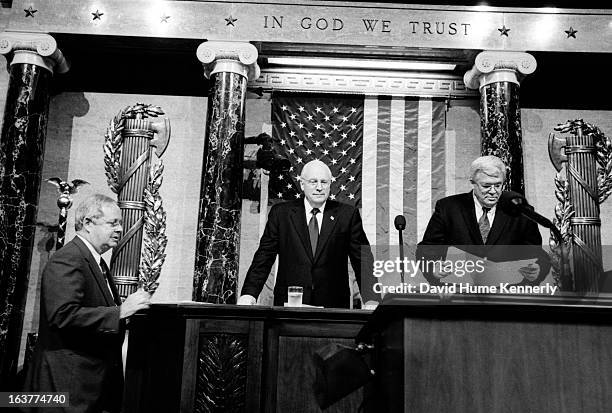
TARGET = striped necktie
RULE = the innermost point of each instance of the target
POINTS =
(107, 275)
(313, 230)
(484, 225)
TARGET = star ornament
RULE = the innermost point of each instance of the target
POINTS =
(503, 31)
(571, 32)
(97, 15)
(29, 12)
(229, 21)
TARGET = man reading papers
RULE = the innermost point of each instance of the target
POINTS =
(473, 223)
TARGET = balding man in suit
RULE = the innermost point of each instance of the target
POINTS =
(314, 238)
(82, 319)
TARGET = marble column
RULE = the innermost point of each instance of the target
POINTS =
(33, 58)
(229, 66)
(497, 75)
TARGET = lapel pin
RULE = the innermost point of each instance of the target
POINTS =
(331, 217)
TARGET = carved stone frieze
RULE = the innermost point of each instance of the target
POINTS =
(381, 84)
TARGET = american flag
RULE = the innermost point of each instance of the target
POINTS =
(400, 147)
(329, 129)
(393, 150)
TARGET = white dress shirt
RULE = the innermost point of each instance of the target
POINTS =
(97, 257)
(478, 209)
(308, 208)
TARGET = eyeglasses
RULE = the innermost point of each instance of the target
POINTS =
(314, 183)
(488, 187)
(116, 223)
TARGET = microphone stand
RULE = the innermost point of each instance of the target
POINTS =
(401, 251)
(516, 203)
(563, 265)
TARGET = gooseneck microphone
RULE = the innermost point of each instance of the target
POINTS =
(515, 204)
(400, 225)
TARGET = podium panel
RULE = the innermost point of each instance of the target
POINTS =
(491, 358)
(194, 357)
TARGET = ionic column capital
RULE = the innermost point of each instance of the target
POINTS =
(235, 57)
(35, 48)
(499, 66)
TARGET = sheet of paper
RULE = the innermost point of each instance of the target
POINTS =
(484, 272)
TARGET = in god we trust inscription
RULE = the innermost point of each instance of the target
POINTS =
(334, 24)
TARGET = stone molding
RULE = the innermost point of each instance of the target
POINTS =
(368, 83)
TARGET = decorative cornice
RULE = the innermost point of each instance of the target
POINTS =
(374, 83)
(323, 22)
(235, 57)
(35, 48)
(499, 66)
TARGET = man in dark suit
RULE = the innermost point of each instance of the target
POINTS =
(313, 237)
(473, 222)
(82, 319)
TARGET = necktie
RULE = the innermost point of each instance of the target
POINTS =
(313, 230)
(484, 225)
(107, 275)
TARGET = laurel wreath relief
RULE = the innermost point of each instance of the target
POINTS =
(564, 209)
(154, 237)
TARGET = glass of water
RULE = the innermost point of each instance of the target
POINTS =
(294, 296)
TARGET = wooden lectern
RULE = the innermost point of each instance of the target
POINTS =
(196, 357)
(490, 354)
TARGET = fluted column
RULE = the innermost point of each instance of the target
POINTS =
(229, 66)
(33, 58)
(497, 75)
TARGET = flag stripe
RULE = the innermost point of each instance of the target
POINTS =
(382, 170)
(410, 167)
(438, 169)
(449, 149)
(368, 173)
(396, 166)
(424, 166)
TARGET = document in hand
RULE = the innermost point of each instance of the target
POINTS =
(483, 271)
(496, 273)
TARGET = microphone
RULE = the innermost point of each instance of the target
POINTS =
(400, 225)
(515, 204)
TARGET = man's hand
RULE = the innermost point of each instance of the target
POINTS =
(441, 274)
(247, 300)
(530, 272)
(135, 302)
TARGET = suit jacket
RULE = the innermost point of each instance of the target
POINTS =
(80, 334)
(324, 273)
(454, 223)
